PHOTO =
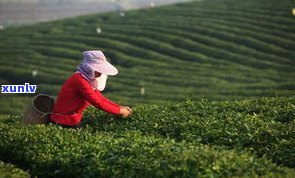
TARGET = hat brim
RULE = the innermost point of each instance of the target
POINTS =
(105, 68)
(101, 82)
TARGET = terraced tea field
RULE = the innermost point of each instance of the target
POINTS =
(216, 49)
(212, 49)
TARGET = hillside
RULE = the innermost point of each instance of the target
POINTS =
(219, 93)
(214, 49)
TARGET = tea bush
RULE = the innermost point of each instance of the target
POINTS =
(10, 171)
(217, 49)
(55, 152)
(247, 138)
(264, 126)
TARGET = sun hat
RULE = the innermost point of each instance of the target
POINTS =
(97, 61)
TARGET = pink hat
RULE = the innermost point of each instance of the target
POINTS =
(97, 61)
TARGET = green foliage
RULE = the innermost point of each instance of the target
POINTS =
(213, 49)
(10, 171)
(248, 138)
(263, 126)
(56, 152)
(216, 49)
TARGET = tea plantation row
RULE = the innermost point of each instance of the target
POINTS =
(264, 126)
(215, 49)
(10, 171)
(248, 138)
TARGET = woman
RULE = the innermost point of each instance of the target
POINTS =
(84, 88)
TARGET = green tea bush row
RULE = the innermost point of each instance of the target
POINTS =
(211, 41)
(193, 46)
(219, 53)
(162, 48)
(10, 171)
(237, 11)
(216, 24)
(56, 152)
(235, 57)
(264, 126)
(226, 33)
(60, 52)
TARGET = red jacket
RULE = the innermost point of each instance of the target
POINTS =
(74, 97)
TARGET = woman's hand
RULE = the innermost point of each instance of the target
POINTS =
(129, 109)
(125, 111)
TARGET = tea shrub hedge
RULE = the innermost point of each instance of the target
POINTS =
(264, 126)
(216, 49)
(56, 152)
(248, 138)
(10, 171)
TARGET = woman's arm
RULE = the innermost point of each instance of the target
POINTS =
(105, 99)
(124, 111)
(96, 99)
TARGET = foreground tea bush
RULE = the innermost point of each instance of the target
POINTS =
(264, 126)
(55, 152)
(10, 171)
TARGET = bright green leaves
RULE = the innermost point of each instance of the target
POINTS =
(186, 139)
(10, 171)
(259, 125)
(86, 154)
